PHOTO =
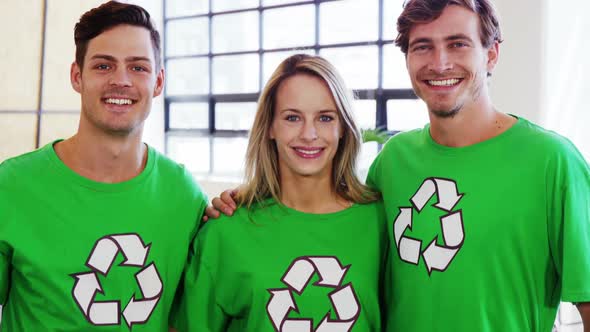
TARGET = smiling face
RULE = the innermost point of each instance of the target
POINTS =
(306, 127)
(447, 62)
(118, 81)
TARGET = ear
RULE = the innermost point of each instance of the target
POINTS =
(271, 132)
(493, 55)
(76, 77)
(159, 83)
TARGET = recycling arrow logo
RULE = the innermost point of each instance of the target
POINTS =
(435, 257)
(331, 273)
(101, 259)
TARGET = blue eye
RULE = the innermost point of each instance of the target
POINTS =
(326, 118)
(138, 68)
(458, 45)
(103, 67)
(292, 118)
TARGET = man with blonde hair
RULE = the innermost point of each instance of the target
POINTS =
(488, 213)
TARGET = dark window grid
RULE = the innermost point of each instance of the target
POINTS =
(259, 8)
(39, 111)
(380, 95)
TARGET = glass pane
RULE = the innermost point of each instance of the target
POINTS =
(223, 5)
(395, 73)
(358, 65)
(391, 11)
(406, 114)
(193, 152)
(189, 115)
(273, 59)
(235, 74)
(228, 156)
(186, 7)
(187, 76)
(368, 153)
(54, 126)
(235, 32)
(279, 2)
(349, 21)
(234, 116)
(17, 135)
(289, 27)
(365, 112)
(187, 37)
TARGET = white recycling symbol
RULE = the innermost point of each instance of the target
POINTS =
(435, 257)
(135, 252)
(331, 273)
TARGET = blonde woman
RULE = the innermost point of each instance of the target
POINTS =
(306, 247)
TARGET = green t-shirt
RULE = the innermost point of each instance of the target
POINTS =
(78, 255)
(274, 267)
(487, 237)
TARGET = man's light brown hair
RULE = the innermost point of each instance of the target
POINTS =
(426, 11)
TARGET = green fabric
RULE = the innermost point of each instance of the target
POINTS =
(50, 221)
(240, 260)
(520, 232)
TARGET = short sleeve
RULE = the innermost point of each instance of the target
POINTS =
(569, 223)
(197, 307)
(5, 248)
(4, 275)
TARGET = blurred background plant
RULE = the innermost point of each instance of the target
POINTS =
(375, 135)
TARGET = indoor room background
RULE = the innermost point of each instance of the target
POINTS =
(219, 53)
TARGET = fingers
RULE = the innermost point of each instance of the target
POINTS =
(228, 198)
(210, 213)
(220, 206)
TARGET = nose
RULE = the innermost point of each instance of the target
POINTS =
(120, 77)
(440, 61)
(309, 131)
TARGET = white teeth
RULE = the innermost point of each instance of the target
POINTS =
(119, 101)
(310, 152)
(448, 82)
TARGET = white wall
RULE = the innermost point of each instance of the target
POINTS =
(516, 84)
(566, 107)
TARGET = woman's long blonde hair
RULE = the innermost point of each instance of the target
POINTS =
(262, 179)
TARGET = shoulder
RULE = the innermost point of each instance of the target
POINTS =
(244, 219)
(176, 175)
(401, 144)
(373, 210)
(405, 138)
(30, 162)
(225, 230)
(547, 142)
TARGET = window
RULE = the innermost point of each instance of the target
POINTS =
(219, 53)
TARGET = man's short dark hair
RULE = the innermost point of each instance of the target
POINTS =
(107, 16)
(426, 11)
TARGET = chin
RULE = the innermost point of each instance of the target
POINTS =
(445, 114)
(308, 171)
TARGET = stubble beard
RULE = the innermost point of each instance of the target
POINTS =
(452, 112)
(115, 130)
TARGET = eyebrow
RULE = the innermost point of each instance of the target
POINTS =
(113, 59)
(299, 111)
(459, 36)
